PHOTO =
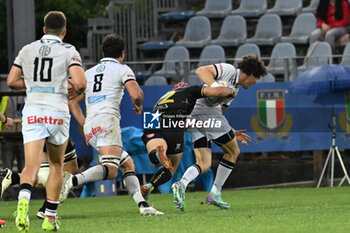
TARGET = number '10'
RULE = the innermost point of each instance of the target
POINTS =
(43, 77)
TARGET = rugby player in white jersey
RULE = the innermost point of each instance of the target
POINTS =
(104, 92)
(248, 71)
(42, 67)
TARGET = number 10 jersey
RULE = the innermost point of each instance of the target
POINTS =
(45, 65)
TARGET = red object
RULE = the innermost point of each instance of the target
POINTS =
(331, 20)
(181, 84)
(2, 222)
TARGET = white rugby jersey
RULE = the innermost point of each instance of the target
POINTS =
(105, 87)
(45, 64)
(225, 72)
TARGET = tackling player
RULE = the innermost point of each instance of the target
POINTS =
(165, 145)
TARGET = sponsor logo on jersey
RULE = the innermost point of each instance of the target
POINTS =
(76, 59)
(46, 120)
(271, 119)
(94, 131)
(344, 118)
(44, 50)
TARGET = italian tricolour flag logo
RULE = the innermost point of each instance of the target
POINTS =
(271, 108)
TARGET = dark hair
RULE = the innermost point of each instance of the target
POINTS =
(323, 6)
(113, 46)
(251, 64)
(55, 22)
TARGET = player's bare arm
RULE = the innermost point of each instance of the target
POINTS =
(75, 109)
(220, 92)
(136, 95)
(207, 74)
(78, 78)
(15, 80)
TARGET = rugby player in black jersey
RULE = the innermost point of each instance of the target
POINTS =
(165, 145)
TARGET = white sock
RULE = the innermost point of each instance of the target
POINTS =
(24, 193)
(224, 170)
(132, 184)
(95, 173)
(190, 174)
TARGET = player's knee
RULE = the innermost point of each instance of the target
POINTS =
(110, 171)
(153, 158)
(128, 166)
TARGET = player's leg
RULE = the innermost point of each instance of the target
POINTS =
(132, 184)
(202, 152)
(28, 177)
(153, 144)
(229, 145)
(53, 184)
(107, 170)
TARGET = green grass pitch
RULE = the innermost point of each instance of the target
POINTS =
(265, 210)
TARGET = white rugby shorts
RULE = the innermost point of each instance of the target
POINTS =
(211, 132)
(103, 130)
(38, 123)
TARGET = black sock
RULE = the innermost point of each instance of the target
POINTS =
(143, 204)
(162, 176)
(44, 205)
(15, 178)
(74, 181)
(26, 186)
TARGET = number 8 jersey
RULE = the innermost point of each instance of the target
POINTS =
(45, 64)
(105, 87)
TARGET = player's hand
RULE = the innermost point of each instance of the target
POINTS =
(9, 122)
(233, 95)
(242, 137)
(138, 109)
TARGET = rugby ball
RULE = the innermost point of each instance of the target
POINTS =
(213, 100)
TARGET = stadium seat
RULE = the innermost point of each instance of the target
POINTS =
(178, 15)
(216, 8)
(269, 78)
(251, 8)
(345, 61)
(268, 30)
(303, 25)
(197, 33)
(286, 7)
(173, 55)
(233, 32)
(246, 49)
(156, 81)
(318, 54)
(312, 7)
(156, 45)
(211, 54)
(141, 75)
(280, 53)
